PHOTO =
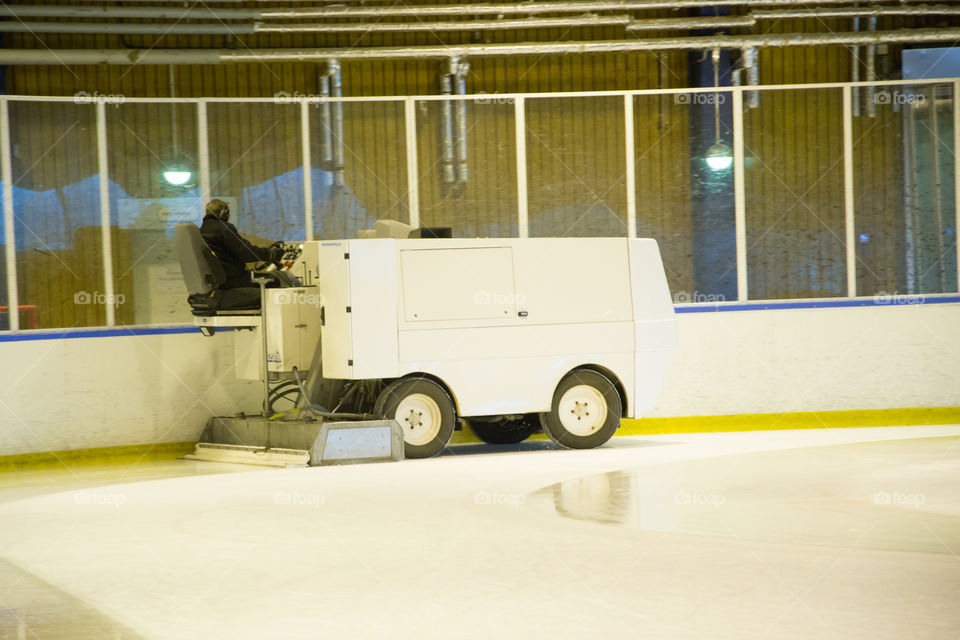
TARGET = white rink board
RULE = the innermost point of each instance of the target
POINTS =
(100, 392)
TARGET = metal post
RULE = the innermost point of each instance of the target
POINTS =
(336, 91)
(203, 153)
(6, 170)
(631, 166)
(848, 186)
(937, 186)
(753, 76)
(307, 170)
(460, 88)
(446, 128)
(413, 187)
(520, 132)
(739, 202)
(855, 69)
(912, 231)
(107, 247)
(872, 71)
(326, 128)
(956, 176)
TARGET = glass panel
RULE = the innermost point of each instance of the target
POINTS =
(364, 179)
(682, 202)
(56, 204)
(256, 165)
(472, 189)
(576, 170)
(930, 237)
(905, 220)
(793, 144)
(154, 184)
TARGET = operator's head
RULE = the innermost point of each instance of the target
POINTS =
(218, 208)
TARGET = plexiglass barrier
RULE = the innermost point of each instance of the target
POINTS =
(841, 190)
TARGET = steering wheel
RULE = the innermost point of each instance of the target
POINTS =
(278, 244)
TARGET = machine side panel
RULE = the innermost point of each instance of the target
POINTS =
(471, 283)
(656, 323)
(566, 281)
(333, 278)
(373, 304)
(573, 307)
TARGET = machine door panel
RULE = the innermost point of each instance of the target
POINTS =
(458, 284)
(334, 280)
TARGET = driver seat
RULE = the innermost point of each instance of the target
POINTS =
(203, 274)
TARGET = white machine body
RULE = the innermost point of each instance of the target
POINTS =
(293, 332)
(498, 321)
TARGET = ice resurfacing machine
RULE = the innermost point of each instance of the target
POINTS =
(406, 336)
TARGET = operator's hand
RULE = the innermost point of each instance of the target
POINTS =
(276, 254)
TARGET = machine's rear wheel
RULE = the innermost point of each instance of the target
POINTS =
(500, 430)
(585, 412)
(424, 410)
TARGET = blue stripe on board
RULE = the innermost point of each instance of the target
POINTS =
(64, 334)
(896, 301)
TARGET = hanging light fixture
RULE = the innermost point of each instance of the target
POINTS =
(177, 178)
(177, 175)
(178, 172)
(719, 156)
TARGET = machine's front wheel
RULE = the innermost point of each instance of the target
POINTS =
(585, 412)
(424, 410)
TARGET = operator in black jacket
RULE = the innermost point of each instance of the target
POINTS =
(233, 251)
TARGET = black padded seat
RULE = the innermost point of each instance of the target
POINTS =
(203, 274)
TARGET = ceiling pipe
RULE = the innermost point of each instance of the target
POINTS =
(522, 8)
(99, 13)
(855, 70)
(150, 28)
(854, 12)
(751, 19)
(253, 18)
(749, 57)
(446, 124)
(240, 28)
(720, 22)
(244, 28)
(460, 72)
(872, 70)
(699, 43)
(462, 25)
(397, 9)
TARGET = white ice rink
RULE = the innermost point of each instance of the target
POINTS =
(846, 533)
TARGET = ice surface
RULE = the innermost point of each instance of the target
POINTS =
(816, 533)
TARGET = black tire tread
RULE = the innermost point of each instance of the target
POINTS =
(398, 389)
(551, 422)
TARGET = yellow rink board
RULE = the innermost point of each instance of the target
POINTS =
(629, 427)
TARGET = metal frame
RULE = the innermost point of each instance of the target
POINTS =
(307, 171)
(631, 166)
(956, 175)
(519, 100)
(848, 190)
(520, 133)
(413, 173)
(203, 151)
(739, 197)
(13, 304)
(103, 166)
